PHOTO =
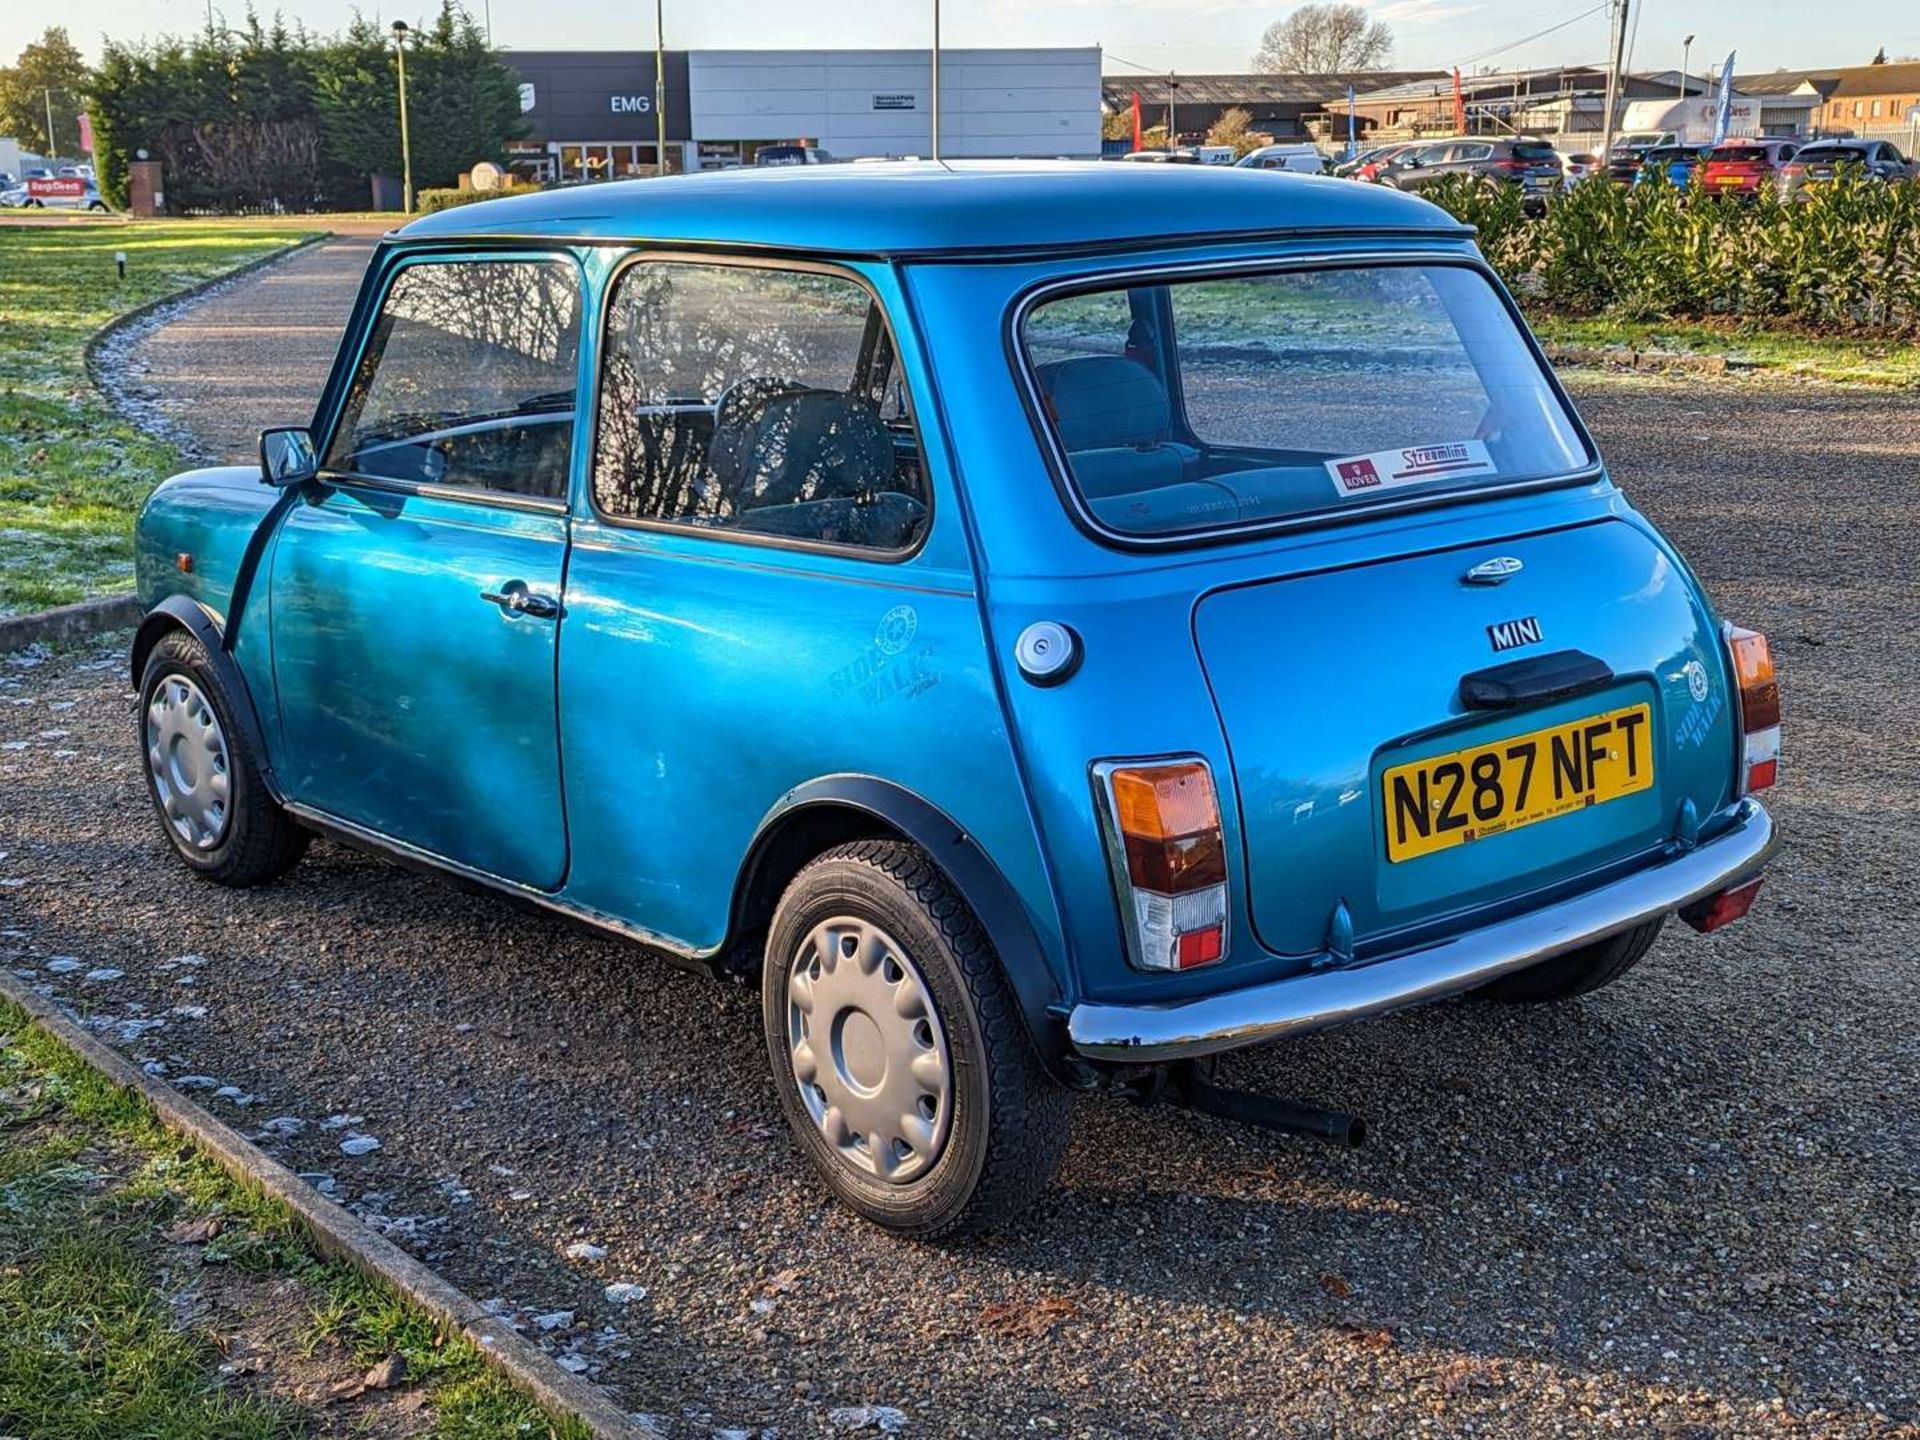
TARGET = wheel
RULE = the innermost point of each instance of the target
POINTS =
(97, 205)
(1578, 971)
(898, 1053)
(204, 780)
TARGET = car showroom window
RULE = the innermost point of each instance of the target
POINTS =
(468, 379)
(1298, 392)
(757, 401)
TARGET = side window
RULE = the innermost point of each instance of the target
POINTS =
(1472, 152)
(757, 400)
(468, 379)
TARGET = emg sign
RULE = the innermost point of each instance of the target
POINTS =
(630, 104)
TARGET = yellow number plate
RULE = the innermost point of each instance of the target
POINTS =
(1484, 790)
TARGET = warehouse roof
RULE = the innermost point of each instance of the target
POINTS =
(915, 207)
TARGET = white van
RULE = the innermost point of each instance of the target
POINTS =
(1298, 156)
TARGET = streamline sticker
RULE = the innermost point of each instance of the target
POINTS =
(1388, 469)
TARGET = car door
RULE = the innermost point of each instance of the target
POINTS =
(415, 585)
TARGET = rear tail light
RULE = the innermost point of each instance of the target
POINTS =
(1169, 860)
(1759, 693)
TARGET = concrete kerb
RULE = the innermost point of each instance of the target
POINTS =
(338, 1234)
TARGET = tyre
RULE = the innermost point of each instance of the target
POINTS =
(203, 777)
(1578, 971)
(898, 1052)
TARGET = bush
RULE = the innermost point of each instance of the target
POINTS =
(428, 201)
(1846, 257)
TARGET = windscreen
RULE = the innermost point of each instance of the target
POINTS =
(1190, 405)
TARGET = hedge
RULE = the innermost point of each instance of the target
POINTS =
(1846, 257)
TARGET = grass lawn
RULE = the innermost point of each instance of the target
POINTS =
(143, 1293)
(1855, 360)
(72, 474)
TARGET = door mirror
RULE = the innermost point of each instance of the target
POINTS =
(287, 456)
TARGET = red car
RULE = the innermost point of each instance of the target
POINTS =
(1744, 167)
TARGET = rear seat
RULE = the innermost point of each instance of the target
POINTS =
(1112, 417)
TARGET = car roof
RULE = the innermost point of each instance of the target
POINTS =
(928, 207)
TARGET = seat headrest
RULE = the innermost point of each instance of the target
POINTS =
(1104, 400)
(783, 446)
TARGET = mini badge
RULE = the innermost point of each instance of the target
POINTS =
(1511, 634)
(1389, 469)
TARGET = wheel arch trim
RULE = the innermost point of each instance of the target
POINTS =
(992, 898)
(181, 612)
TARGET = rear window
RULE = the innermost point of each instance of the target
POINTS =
(1190, 405)
(1833, 155)
(1535, 150)
(1744, 153)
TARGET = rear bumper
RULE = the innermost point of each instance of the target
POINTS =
(1183, 1030)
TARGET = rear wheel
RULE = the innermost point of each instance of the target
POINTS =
(897, 1050)
(1578, 971)
(203, 777)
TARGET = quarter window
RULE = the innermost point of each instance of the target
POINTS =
(468, 380)
(756, 401)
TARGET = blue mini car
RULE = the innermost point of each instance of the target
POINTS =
(1047, 624)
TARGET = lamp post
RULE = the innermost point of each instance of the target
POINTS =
(659, 87)
(935, 132)
(406, 140)
(1686, 52)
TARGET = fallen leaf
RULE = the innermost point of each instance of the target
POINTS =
(387, 1374)
(1016, 1320)
(196, 1231)
(780, 1284)
(1468, 1374)
(1366, 1335)
(1336, 1286)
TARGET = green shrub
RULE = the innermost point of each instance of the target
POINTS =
(1843, 257)
(428, 201)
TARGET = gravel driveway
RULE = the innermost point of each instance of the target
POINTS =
(1689, 1204)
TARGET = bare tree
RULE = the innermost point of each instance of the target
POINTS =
(1323, 38)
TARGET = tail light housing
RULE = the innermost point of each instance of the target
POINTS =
(1169, 859)
(1759, 699)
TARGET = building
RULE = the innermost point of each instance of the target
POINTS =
(859, 104)
(591, 114)
(1565, 101)
(1278, 105)
(1880, 102)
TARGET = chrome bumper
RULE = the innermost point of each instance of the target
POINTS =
(1184, 1029)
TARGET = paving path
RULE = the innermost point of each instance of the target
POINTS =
(254, 353)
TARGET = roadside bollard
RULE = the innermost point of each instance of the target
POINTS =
(120, 262)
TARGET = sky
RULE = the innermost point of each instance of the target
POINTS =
(1153, 35)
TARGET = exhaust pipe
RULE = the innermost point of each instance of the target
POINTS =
(1188, 1085)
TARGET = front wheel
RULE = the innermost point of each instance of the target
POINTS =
(202, 775)
(1578, 972)
(898, 1052)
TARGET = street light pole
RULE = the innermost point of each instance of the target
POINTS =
(936, 80)
(52, 149)
(659, 87)
(1686, 52)
(406, 139)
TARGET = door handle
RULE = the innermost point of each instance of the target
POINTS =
(514, 598)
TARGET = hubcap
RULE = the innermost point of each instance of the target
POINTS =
(868, 1052)
(187, 758)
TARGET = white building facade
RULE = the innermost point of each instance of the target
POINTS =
(871, 104)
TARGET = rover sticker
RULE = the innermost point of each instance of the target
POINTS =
(1389, 469)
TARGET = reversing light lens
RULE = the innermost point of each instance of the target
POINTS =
(1173, 887)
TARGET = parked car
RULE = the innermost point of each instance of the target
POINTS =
(1181, 156)
(992, 627)
(1373, 167)
(1577, 166)
(1674, 163)
(1346, 168)
(791, 155)
(1300, 158)
(1533, 165)
(1745, 167)
(70, 193)
(1822, 161)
